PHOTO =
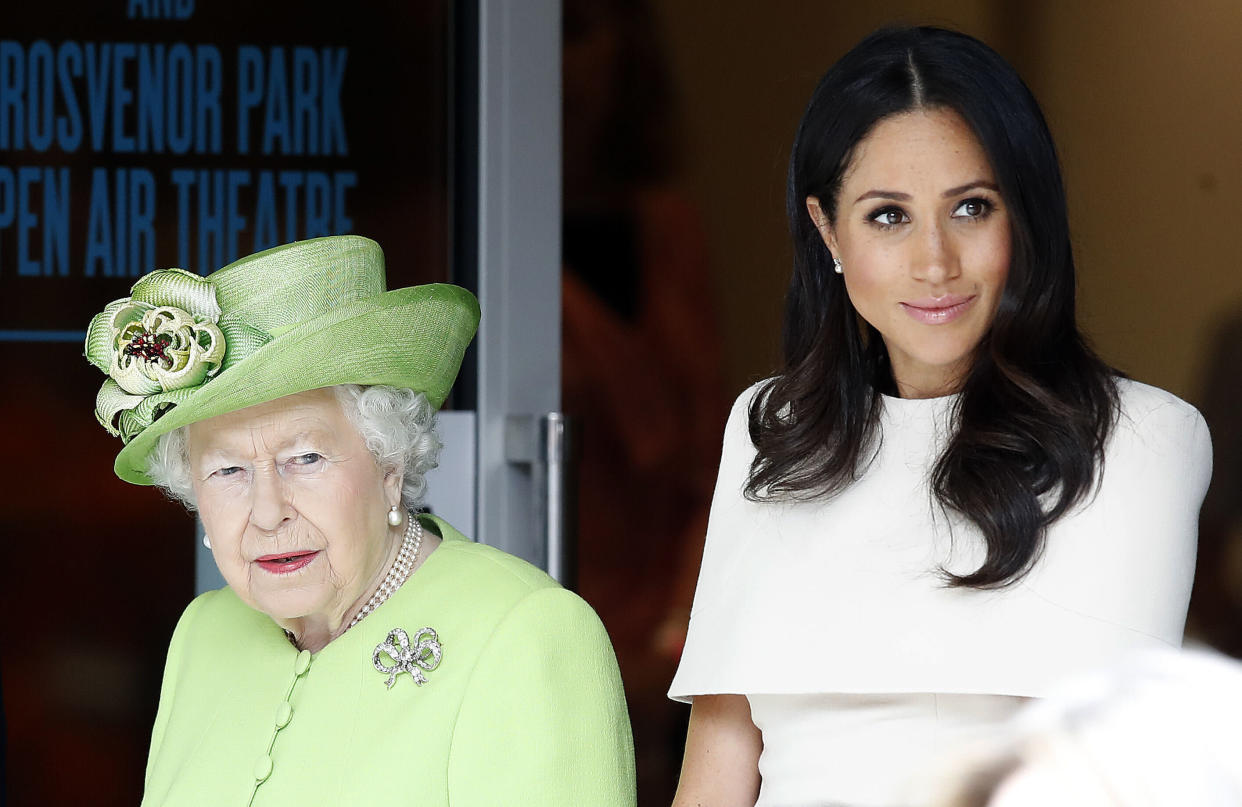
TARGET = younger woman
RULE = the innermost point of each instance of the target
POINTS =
(945, 501)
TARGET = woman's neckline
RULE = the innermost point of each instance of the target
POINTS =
(933, 411)
(939, 400)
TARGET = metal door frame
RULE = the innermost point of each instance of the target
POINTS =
(519, 269)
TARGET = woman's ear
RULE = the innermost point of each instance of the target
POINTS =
(820, 219)
(393, 480)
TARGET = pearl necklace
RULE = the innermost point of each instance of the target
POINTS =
(400, 571)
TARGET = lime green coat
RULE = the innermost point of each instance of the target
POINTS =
(525, 707)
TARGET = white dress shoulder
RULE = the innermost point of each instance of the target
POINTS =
(802, 604)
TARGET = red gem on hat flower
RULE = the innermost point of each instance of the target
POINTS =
(149, 346)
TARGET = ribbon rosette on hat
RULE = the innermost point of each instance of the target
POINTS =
(157, 346)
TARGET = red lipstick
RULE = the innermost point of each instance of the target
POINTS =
(938, 310)
(286, 563)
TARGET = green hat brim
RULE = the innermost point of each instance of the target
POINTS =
(413, 338)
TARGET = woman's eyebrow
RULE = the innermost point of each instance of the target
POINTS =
(905, 197)
(213, 456)
(881, 194)
(310, 437)
(978, 183)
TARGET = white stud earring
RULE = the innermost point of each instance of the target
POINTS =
(206, 542)
(395, 517)
(836, 265)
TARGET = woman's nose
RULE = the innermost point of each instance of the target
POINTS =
(269, 506)
(935, 260)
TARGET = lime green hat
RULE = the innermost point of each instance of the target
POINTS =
(183, 348)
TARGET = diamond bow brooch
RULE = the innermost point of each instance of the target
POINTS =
(410, 656)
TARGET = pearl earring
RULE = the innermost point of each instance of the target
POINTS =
(206, 542)
(836, 265)
(395, 517)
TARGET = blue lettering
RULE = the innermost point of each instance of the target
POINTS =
(97, 71)
(99, 226)
(183, 178)
(249, 93)
(276, 117)
(151, 99)
(207, 92)
(341, 182)
(305, 101)
(26, 220)
(265, 232)
(69, 126)
(39, 100)
(180, 105)
(12, 109)
(210, 220)
(7, 196)
(27, 175)
(236, 222)
(120, 227)
(159, 9)
(291, 181)
(333, 118)
(56, 221)
(141, 220)
(122, 95)
(318, 191)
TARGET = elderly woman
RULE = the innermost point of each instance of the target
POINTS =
(363, 652)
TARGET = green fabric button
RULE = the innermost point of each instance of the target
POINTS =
(263, 768)
(302, 664)
(284, 713)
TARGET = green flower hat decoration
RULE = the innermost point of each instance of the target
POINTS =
(183, 348)
(156, 346)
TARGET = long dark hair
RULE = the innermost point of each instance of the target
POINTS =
(1037, 406)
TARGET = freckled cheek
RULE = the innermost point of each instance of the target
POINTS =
(992, 257)
(992, 278)
(874, 288)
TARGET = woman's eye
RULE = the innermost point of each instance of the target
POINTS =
(889, 217)
(229, 471)
(308, 462)
(973, 209)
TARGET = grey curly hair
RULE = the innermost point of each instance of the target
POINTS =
(397, 425)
